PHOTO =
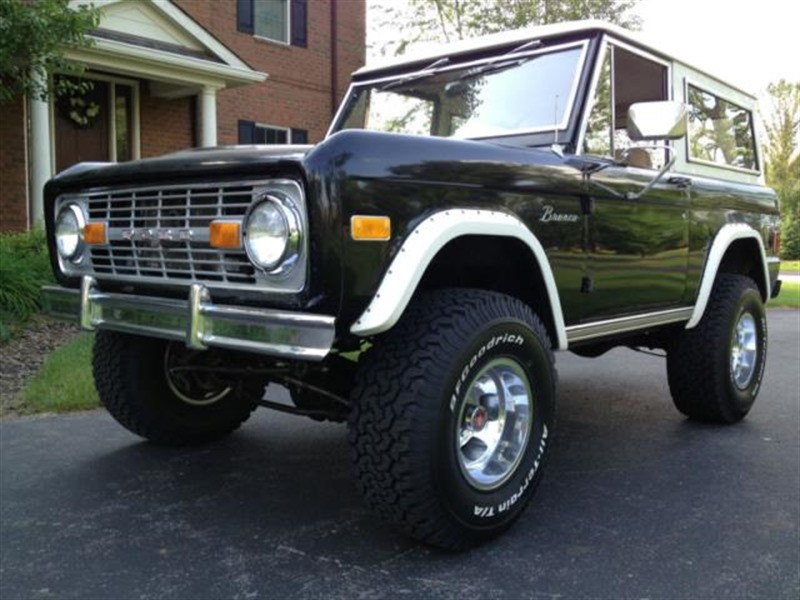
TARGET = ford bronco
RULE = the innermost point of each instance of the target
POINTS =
(470, 212)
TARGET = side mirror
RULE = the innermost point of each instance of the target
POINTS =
(657, 121)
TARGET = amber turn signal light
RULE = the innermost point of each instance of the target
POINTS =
(364, 227)
(94, 233)
(225, 234)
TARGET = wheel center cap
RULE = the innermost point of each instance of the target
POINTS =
(479, 418)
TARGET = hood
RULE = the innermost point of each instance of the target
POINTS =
(193, 163)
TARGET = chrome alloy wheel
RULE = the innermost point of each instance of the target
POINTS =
(494, 423)
(187, 380)
(744, 351)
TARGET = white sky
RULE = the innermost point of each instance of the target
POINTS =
(748, 43)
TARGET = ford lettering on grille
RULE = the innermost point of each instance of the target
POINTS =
(155, 237)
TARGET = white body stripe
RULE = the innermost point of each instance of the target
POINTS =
(726, 236)
(422, 245)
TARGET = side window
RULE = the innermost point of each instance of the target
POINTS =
(257, 133)
(720, 132)
(625, 78)
(284, 21)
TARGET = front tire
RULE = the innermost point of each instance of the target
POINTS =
(715, 370)
(159, 391)
(453, 415)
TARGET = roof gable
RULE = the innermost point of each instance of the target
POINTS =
(156, 40)
(159, 23)
(142, 19)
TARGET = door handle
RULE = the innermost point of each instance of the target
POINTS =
(680, 182)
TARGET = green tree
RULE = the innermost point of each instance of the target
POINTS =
(449, 20)
(783, 133)
(33, 38)
(782, 152)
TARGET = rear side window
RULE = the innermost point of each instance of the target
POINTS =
(720, 132)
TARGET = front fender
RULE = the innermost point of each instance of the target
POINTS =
(421, 246)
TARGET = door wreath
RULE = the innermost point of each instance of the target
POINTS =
(79, 109)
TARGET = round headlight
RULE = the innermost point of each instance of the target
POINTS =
(271, 234)
(69, 232)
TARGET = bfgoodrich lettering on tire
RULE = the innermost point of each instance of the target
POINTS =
(715, 369)
(453, 416)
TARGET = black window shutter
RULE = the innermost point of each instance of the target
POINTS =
(244, 16)
(299, 21)
(299, 136)
(247, 132)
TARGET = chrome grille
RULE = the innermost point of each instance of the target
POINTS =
(178, 218)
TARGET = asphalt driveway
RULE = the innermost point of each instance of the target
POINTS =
(636, 502)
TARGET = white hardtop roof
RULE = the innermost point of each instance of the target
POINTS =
(427, 53)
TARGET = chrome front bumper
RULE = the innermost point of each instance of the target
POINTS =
(197, 322)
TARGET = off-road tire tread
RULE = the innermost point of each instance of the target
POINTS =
(115, 390)
(696, 381)
(393, 389)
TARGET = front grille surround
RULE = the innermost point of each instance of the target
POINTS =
(159, 235)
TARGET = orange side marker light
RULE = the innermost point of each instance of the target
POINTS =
(370, 228)
(225, 234)
(94, 233)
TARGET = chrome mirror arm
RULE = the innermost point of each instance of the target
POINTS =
(657, 178)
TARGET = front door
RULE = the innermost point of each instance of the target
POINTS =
(637, 248)
(93, 123)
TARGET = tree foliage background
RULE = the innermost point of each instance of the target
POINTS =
(417, 21)
(782, 153)
(33, 37)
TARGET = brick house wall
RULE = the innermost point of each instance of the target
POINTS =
(297, 93)
(13, 173)
(166, 125)
(352, 35)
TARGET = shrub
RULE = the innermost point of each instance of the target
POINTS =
(789, 195)
(24, 268)
(790, 236)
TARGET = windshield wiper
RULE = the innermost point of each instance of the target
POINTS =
(492, 67)
(498, 63)
(431, 69)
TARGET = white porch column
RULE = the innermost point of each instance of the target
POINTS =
(207, 109)
(41, 156)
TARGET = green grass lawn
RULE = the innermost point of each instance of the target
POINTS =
(790, 266)
(65, 382)
(789, 296)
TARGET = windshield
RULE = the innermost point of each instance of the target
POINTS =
(505, 96)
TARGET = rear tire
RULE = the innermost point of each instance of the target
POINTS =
(132, 380)
(453, 415)
(715, 369)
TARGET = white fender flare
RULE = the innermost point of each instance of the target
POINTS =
(422, 245)
(725, 237)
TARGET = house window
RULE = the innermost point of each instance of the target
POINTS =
(258, 133)
(123, 117)
(720, 132)
(283, 21)
(271, 20)
(266, 134)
